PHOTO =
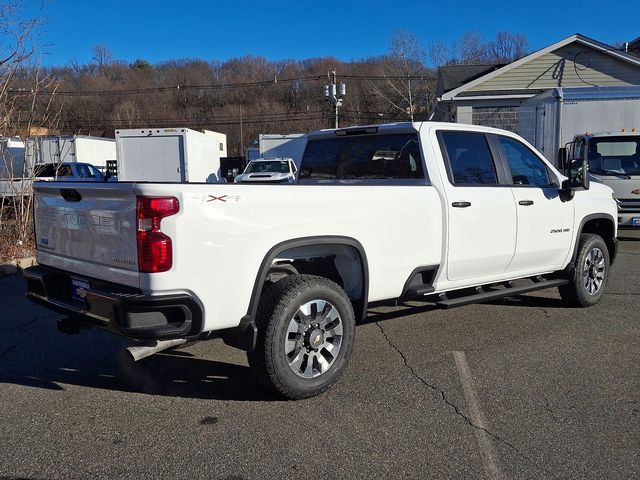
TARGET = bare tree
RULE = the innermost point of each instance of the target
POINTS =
(507, 47)
(404, 70)
(102, 56)
(440, 54)
(472, 49)
(26, 105)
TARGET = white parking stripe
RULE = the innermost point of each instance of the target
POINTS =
(487, 450)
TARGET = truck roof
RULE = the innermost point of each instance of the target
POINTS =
(398, 127)
(271, 159)
(622, 133)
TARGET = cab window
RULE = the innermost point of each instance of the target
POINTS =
(526, 167)
(470, 159)
(383, 158)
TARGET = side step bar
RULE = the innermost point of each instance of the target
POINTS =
(485, 295)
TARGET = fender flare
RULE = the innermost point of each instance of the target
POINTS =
(588, 218)
(244, 336)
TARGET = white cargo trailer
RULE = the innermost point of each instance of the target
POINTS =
(12, 167)
(167, 155)
(290, 145)
(70, 148)
(222, 141)
(551, 119)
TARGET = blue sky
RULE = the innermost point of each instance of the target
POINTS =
(284, 29)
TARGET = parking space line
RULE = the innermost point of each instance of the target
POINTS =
(485, 445)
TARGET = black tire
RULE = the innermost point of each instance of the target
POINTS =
(586, 286)
(279, 312)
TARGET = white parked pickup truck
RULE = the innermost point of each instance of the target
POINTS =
(269, 170)
(448, 213)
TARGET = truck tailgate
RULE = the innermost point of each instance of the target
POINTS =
(88, 229)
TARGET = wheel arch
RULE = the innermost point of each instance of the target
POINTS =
(600, 224)
(325, 244)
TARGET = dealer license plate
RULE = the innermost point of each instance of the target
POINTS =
(79, 287)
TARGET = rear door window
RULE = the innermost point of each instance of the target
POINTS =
(370, 158)
(470, 159)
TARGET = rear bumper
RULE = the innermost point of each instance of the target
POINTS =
(117, 308)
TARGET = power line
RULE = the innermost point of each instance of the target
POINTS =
(219, 86)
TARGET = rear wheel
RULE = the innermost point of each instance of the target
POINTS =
(591, 273)
(306, 330)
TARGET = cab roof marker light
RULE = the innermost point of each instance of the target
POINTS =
(356, 131)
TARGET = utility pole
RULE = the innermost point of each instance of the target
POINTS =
(241, 136)
(334, 94)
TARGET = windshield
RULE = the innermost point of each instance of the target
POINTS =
(276, 166)
(615, 155)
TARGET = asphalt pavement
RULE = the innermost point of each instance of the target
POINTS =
(519, 388)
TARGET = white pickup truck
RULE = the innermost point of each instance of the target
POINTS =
(451, 214)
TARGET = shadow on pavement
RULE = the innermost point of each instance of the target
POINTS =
(50, 360)
(530, 301)
(404, 310)
(33, 353)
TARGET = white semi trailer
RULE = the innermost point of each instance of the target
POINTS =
(167, 155)
(551, 119)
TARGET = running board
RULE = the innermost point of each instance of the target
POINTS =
(509, 290)
(418, 291)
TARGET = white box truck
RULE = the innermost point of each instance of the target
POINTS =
(12, 167)
(551, 119)
(222, 141)
(70, 148)
(289, 145)
(167, 155)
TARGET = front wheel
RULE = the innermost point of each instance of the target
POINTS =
(591, 273)
(306, 331)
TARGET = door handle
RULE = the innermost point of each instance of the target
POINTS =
(461, 204)
(526, 203)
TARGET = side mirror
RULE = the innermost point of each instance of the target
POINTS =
(578, 176)
(563, 156)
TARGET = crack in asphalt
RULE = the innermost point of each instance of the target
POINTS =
(548, 407)
(455, 408)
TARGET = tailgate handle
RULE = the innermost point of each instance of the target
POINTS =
(70, 195)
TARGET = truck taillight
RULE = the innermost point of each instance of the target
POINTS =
(155, 252)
